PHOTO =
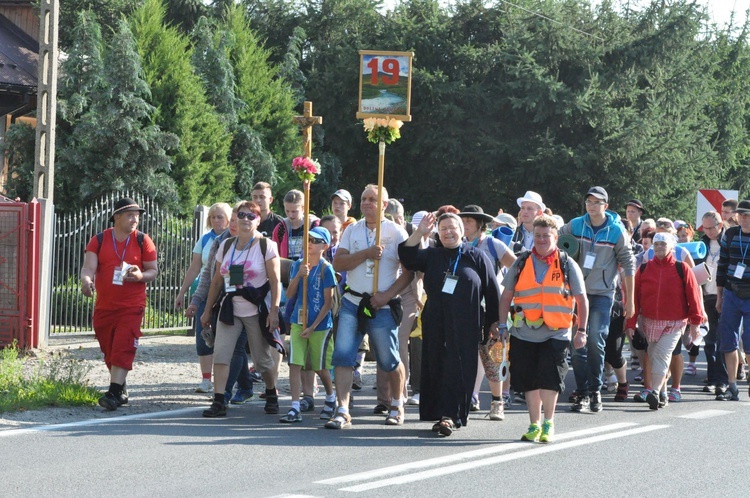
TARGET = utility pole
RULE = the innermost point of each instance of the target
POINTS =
(44, 154)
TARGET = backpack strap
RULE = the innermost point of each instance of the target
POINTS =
(493, 251)
(521, 263)
(227, 244)
(263, 246)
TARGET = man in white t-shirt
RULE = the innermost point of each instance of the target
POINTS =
(356, 255)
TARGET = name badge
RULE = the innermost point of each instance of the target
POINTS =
(227, 286)
(449, 284)
(119, 274)
(588, 262)
(369, 268)
(236, 274)
(740, 270)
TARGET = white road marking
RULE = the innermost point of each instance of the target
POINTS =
(461, 467)
(706, 414)
(372, 474)
(96, 421)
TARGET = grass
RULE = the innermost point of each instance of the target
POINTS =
(58, 381)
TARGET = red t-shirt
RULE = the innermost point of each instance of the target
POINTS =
(131, 294)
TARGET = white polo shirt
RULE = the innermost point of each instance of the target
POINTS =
(358, 237)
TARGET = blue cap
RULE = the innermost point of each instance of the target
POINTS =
(321, 233)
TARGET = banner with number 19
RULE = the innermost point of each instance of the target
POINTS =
(385, 85)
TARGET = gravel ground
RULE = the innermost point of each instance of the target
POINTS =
(164, 377)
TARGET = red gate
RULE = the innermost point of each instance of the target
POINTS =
(20, 224)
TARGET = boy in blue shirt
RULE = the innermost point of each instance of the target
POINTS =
(315, 342)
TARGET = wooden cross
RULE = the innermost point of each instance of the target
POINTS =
(306, 121)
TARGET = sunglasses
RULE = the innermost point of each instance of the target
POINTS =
(241, 215)
(316, 241)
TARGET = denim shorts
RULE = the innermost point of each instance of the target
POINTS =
(382, 331)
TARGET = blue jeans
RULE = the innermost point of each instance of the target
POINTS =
(200, 344)
(238, 368)
(735, 314)
(383, 332)
(588, 362)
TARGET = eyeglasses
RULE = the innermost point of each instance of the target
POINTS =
(315, 241)
(663, 224)
(595, 203)
(243, 215)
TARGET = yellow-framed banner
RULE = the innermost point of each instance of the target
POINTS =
(384, 84)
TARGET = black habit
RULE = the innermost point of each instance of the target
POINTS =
(453, 325)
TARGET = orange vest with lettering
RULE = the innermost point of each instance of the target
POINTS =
(550, 301)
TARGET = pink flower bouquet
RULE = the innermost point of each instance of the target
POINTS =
(306, 168)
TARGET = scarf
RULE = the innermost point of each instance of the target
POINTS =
(549, 259)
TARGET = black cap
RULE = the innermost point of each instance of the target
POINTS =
(599, 193)
(125, 204)
(476, 212)
(743, 207)
(637, 204)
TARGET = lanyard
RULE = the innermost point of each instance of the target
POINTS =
(458, 258)
(122, 258)
(743, 251)
(234, 246)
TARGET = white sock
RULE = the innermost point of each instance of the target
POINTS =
(397, 402)
(295, 405)
(331, 397)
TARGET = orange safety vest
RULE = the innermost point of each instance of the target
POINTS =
(551, 302)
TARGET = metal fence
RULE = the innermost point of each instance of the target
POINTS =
(174, 238)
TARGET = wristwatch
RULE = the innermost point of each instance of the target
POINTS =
(583, 331)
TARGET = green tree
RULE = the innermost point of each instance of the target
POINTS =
(114, 138)
(18, 148)
(201, 168)
(108, 14)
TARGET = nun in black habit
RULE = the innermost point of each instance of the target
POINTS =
(462, 306)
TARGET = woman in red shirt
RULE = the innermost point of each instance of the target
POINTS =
(667, 300)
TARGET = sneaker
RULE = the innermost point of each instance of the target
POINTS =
(241, 396)
(653, 400)
(521, 397)
(582, 405)
(307, 404)
(329, 407)
(216, 410)
(611, 383)
(496, 410)
(272, 404)
(475, 407)
(507, 400)
(638, 376)
(575, 397)
(206, 386)
(109, 401)
(380, 409)
(357, 381)
(641, 396)
(690, 369)
(741, 373)
(710, 389)
(533, 434)
(731, 394)
(622, 392)
(291, 417)
(255, 376)
(675, 394)
(663, 399)
(548, 432)
(414, 400)
(595, 402)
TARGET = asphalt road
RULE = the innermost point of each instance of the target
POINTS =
(696, 447)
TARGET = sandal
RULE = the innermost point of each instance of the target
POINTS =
(342, 420)
(436, 427)
(446, 427)
(395, 417)
(291, 417)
